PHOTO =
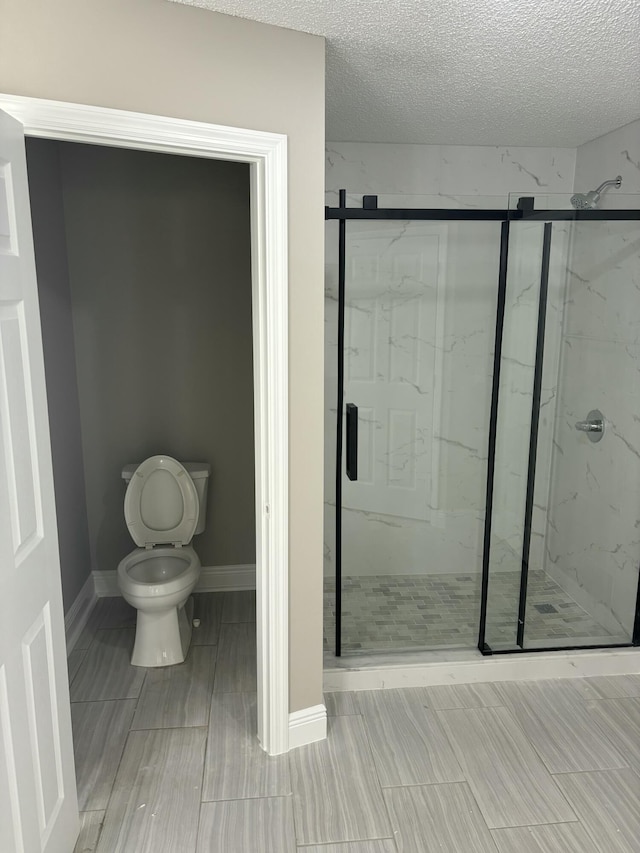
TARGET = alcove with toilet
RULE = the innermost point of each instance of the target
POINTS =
(165, 506)
(144, 275)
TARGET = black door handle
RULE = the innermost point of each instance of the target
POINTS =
(352, 441)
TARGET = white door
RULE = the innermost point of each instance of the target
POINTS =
(38, 804)
(393, 352)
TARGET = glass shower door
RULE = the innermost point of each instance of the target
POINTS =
(562, 547)
(591, 547)
(420, 303)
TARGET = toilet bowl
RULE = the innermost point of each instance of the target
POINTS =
(163, 510)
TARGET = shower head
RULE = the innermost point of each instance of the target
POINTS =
(589, 201)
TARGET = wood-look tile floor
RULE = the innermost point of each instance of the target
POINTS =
(167, 759)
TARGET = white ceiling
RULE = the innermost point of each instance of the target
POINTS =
(469, 72)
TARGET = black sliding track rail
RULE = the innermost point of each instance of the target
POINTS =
(535, 650)
(473, 214)
(533, 435)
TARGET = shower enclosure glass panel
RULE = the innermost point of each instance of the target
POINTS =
(420, 307)
(565, 541)
(592, 539)
(516, 379)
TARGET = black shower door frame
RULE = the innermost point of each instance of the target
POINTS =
(524, 211)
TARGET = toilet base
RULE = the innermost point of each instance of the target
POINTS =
(163, 637)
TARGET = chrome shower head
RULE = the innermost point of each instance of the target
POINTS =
(585, 201)
(589, 201)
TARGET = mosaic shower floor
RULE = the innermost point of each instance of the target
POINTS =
(408, 612)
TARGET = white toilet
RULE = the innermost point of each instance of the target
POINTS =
(164, 506)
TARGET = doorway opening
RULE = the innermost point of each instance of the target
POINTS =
(144, 277)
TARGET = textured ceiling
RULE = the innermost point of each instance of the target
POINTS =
(469, 72)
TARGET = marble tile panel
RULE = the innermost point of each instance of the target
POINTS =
(239, 606)
(603, 275)
(90, 828)
(336, 794)
(508, 779)
(407, 740)
(606, 802)
(247, 826)
(615, 153)
(236, 767)
(383, 168)
(445, 818)
(450, 170)
(489, 170)
(559, 838)
(156, 796)
(236, 662)
(207, 607)
(592, 553)
(100, 730)
(106, 671)
(178, 695)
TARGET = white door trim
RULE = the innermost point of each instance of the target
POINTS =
(267, 155)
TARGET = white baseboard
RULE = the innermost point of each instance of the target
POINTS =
(78, 615)
(307, 726)
(227, 578)
(212, 579)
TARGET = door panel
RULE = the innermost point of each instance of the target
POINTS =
(37, 780)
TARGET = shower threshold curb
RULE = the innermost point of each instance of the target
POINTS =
(426, 669)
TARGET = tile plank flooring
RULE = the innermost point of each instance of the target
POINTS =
(167, 760)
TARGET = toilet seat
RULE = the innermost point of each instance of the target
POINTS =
(161, 503)
(146, 573)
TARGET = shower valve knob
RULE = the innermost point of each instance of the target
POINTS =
(593, 425)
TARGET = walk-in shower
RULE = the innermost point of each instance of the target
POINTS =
(478, 352)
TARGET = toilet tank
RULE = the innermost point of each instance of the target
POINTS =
(199, 473)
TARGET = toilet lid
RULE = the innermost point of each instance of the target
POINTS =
(161, 503)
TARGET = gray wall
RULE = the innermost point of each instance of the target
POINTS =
(60, 365)
(160, 272)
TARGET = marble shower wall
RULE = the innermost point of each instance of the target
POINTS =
(615, 153)
(447, 171)
(442, 528)
(593, 536)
